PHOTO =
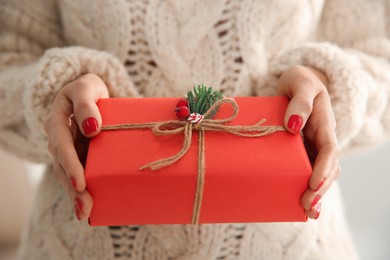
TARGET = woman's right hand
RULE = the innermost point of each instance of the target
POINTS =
(74, 117)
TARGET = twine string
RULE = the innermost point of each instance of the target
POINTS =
(171, 127)
(172, 159)
(200, 180)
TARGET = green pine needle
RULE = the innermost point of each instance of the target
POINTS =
(201, 98)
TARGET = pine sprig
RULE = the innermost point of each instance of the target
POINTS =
(201, 98)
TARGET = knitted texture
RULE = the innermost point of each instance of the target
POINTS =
(161, 48)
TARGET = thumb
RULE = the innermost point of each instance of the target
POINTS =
(298, 112)
(84, 94)
(302, 85)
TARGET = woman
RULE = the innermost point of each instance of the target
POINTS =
(330, 58)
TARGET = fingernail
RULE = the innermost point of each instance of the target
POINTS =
(90, 125)
(320, 185)
(79, 203)
(318, 210)
(314, 202)
(295, 123)
(73, 182)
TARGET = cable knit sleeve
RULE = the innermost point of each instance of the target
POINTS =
(354, 52)
(34, 65)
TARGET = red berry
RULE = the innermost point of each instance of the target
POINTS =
(182, 103)
(182, 112)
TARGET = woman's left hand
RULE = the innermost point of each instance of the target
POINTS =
(310, 110)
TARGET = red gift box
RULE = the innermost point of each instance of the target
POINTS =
(247, 179)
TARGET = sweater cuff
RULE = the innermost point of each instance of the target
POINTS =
(58, 67)
(348, 82)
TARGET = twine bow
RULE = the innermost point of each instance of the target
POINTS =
(217, 125)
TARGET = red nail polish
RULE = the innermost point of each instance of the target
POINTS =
(320, 185)
(318, 210)
(295, 123)
(90, 125)
(78, 203)
(314, 202)
(73, 182)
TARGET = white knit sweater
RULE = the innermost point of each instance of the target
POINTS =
(160, 48)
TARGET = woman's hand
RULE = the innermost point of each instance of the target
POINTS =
(310, 110)
(74, 117)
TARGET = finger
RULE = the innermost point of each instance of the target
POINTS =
(321, 128)
(83, 205)
(300, 107)
(315, 212)
(84, 93)
(298, 111)
(326, 170)
(61, 177)
(82, 201)
(311, 197)
(73, 196)
(61, 143)
(327, 182)
(302, 86)
(316, 196)
(325, 167)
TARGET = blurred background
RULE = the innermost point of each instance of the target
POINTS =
(365, 184)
